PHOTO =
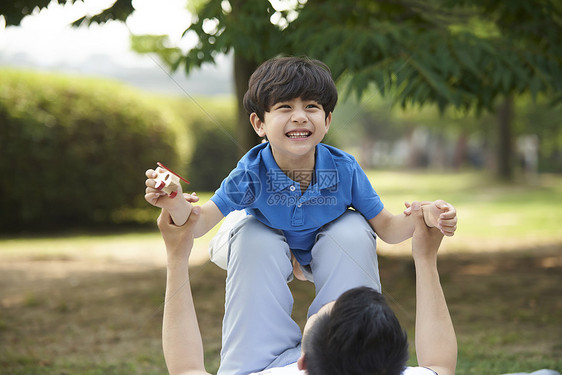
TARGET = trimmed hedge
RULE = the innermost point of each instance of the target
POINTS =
(73, 151)
(214, 155)
(210, 134)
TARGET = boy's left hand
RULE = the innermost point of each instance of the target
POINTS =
(438, 214)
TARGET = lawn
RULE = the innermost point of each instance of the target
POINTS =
(93, 304)
(492, 215)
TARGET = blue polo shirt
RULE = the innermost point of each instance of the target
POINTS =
(259, 186)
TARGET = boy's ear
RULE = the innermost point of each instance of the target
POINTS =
(328, 121)
(257, 124)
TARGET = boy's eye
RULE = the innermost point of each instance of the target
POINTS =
(313, 106)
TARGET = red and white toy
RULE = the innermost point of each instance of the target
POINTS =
(167, 180)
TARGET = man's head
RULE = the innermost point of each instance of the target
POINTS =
(285, 78)
(360, 335)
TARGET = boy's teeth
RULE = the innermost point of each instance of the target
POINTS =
(298, 134)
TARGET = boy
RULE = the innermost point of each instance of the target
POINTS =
(297, 193)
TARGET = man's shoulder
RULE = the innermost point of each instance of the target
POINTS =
(292, 369)
(418, 371)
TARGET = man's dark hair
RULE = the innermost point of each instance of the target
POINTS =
(286, 78)
(361, 335)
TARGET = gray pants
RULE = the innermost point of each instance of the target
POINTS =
(258, 331)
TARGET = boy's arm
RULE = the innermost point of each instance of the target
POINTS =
(181, 337)
(210, 216)
(397, 228)
(392, 228)
(436, 344)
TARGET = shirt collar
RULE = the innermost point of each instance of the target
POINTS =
(325, 169)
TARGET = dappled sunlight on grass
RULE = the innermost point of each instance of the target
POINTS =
(492, 215)
(92, 303)
(132, 247)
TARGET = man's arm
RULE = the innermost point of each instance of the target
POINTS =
(209, 214)
(436, 343)
(181, 337)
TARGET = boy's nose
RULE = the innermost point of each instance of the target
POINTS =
(299, 116)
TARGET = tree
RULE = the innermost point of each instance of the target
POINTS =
(468, 54)
(15, 11)
(241, 26)
(461, 53)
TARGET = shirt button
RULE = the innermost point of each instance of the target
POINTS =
(292, 188)
(299, 205)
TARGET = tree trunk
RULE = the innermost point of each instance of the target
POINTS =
(245, 134)
(505, 142)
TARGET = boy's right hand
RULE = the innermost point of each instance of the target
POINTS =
(179, 208)
(159, 198)
(156, 197)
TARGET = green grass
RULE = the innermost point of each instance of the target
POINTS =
(505, 306)
(92, 304)
(131, 245)
(492, 213)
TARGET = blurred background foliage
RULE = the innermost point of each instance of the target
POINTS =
(440, 84)
(74, 150)
(383, 136)
(474, 56)
(471, 55)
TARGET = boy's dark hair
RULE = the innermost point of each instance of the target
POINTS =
(285, 78)
(361, 335)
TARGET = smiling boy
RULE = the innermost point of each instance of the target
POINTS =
(294, 128)
(305, 200)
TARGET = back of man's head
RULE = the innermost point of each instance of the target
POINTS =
(361, 335)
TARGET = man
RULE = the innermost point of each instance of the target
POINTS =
(358, 333)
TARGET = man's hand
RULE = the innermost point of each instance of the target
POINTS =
(438, 214)
(425, 241)
(178, 240)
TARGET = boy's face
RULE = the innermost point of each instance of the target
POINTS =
(293, 128)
